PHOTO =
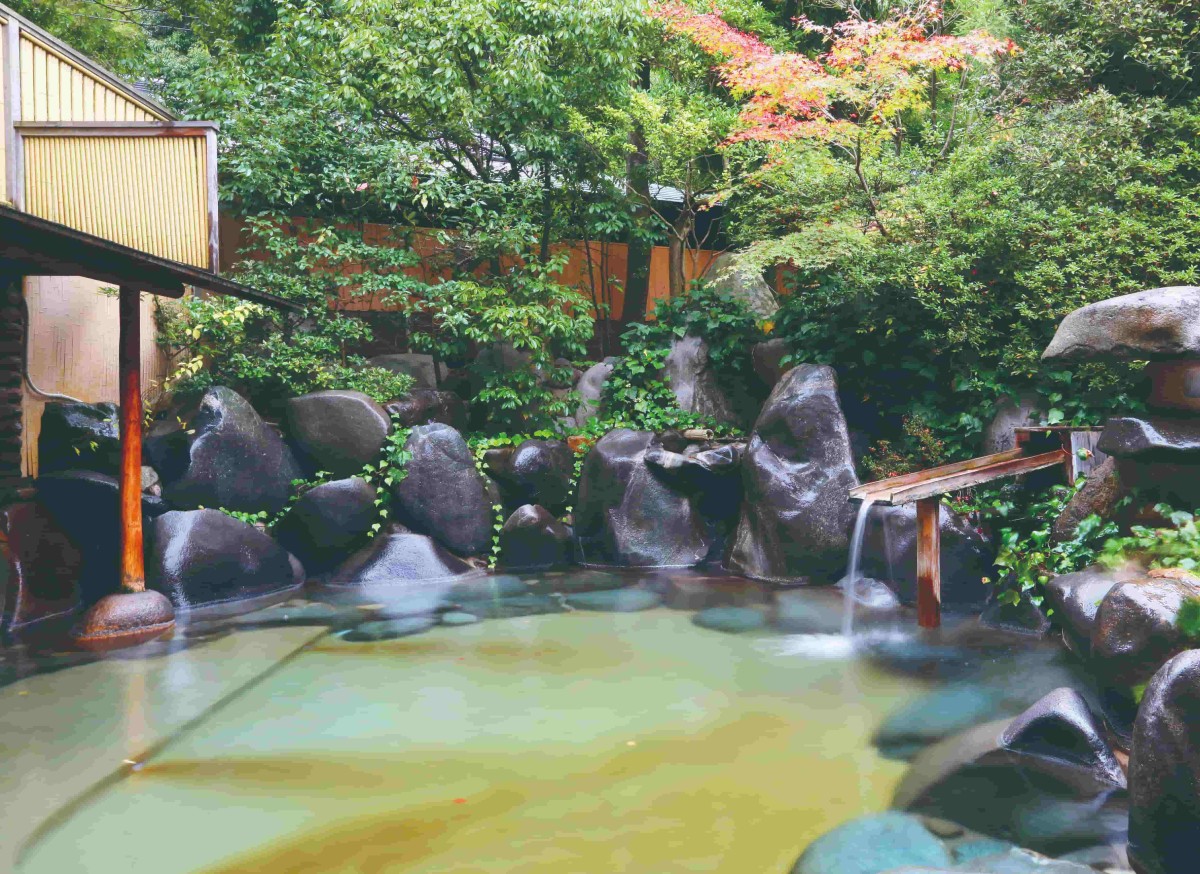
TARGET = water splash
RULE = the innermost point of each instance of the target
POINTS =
(853, 572)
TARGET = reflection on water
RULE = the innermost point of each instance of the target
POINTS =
(573, 741)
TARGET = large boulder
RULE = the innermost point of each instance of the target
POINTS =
(890, 553)
(1164, 771)
(874, 844)
(1099, 496)
(39, 569)
(338, 431)
(86, 505)
(744, 284)
(535, 472)
(1135, 630)
(442, 494)
(1075, 599)
(328, 522)
(767, 359)
(532, 539)
(1011, 413)
(210, 564)
(797, 472)
(79, 437)
(590, 389)
(633, 514)
(424, 406)
(1047, 779)
(693, 380)
(225, 456)
(416, 364)
(1155, 325)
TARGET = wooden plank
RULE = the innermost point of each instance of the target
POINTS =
(133, 572)
(895, 482)
(929, 562)
(956, 482)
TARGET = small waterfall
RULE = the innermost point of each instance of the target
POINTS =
(853, 573)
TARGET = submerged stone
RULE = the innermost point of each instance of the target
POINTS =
(615, 600)
(455, 618)
(731, 620)
(388, 629)
(873, 845)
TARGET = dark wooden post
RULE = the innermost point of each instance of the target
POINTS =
(133, 571)
(929, 562)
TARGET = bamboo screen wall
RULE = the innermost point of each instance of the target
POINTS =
(55, 89)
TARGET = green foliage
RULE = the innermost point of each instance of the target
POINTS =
(1175, 545)
(112, 35)
(919, 448)
(1188, 620)
(388, 471)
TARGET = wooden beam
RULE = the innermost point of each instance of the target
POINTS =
(891, 484)
(929, 562)
(942, 481)
(165, 129)
(133, 571)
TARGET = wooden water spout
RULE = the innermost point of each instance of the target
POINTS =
(926, 487)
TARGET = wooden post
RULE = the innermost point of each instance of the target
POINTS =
(929, 562)
(133, 572)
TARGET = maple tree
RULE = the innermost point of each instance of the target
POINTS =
(855, 95)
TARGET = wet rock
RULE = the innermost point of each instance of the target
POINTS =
(890, 553)
(693, 380)
(226, 456)
(536, 472)
(1098, 496)
(632, 515)
(293, 612)
(1011, 413)
(748, 286)
(151, 482)
(416, 364)
(1075, 598)
(388, 629)
(874, 844)
(338, 431)
(1135, 630)
(210, 564)
(442, 494)
(590, 389)
(424, 406)
(79, 437)
(973, 847)
(1164, 771)
(328, 522)
(731, 620)
(487, 587)
(937, 715)
(1046, 779)
(694, 592)
(1155, 325)
(86, 506)
(1024, 617)
(398, 558)
(797, 473)
(767, 358)
(615, 600)
(39, 570)
(1156, 439)
(457, 618)
(532, 539)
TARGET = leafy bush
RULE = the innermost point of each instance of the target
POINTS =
(1177, 545)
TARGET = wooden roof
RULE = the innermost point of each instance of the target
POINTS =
(33, 246)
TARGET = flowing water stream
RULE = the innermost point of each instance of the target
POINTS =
(853, 567)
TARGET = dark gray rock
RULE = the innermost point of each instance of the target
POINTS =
(890, 553)
(1098, 496)
(631, 515)
(442, 494)
(1011, 413)
(1156, 439)
(416, 364)
(1075, 598)
(1135, 630)
(328, 522)
(532, 539)
(79, 437)
(225, 456)
(1045, 780)
(745, 284)
(693, 380)
(797, 473)
(874, 844)
(767, 360)
(615, 600)
(1164, 771)
(338, 431)
(535, 472)
(39, 570)
(590, 389)
(210, 564)
(86, 505)
(424, 406)
(731, 620)
(388, 629)
(1155, 325)
(1024, 617)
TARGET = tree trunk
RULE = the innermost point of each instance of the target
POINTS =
(681, 231)
(637, 280)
